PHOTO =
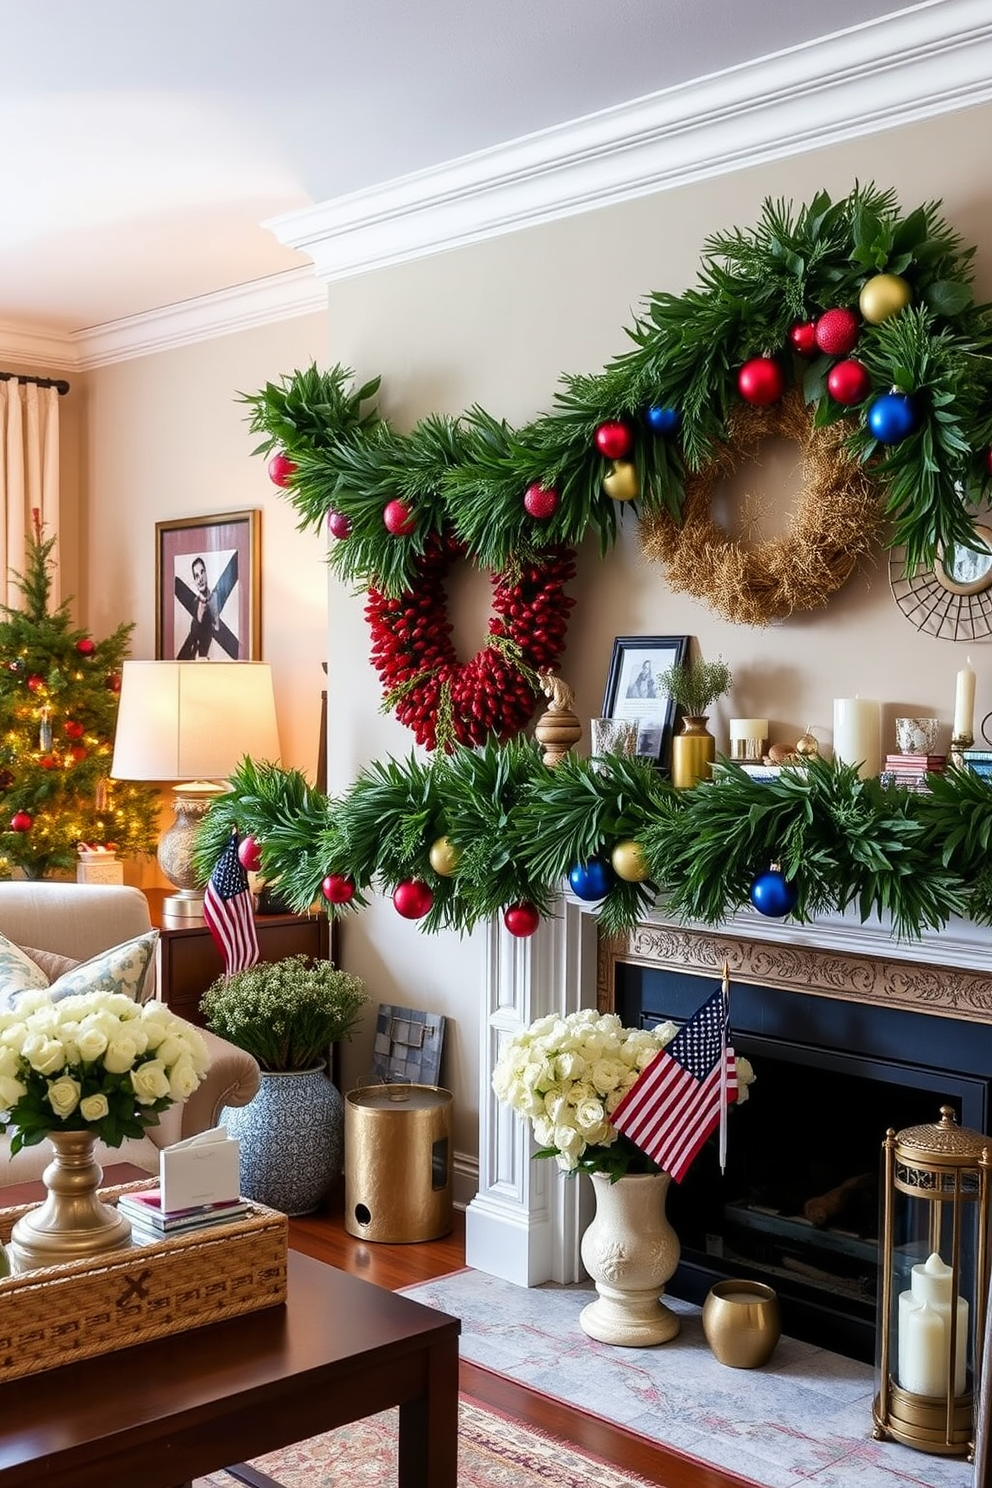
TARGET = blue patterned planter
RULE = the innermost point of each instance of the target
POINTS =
(292, 1140)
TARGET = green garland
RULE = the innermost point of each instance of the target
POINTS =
(468, 475)
(521, 827)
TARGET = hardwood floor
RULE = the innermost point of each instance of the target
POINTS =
(324, 1237)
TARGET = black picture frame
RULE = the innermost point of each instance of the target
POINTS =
(632, 690)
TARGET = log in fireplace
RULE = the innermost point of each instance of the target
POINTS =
(843, 1047)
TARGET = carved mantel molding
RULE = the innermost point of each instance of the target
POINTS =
(890, 981)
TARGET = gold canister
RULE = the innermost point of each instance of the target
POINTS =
(693, 752)
(397, 1162)
(741, 1323)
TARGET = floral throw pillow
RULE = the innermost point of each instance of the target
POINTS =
(18, 973)
(127, 968)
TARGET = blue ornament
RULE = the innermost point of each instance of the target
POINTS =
(891, 417)
(663, 420)
(592, 880)
(773, 895)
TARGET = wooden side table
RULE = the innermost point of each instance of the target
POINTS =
(189, 959)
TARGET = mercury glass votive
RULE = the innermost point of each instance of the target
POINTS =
(741, 1323)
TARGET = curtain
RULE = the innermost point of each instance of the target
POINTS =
(29, 478)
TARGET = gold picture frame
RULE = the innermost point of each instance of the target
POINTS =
(208, 588)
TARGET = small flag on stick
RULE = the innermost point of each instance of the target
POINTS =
(228, 911)
(685, 1090)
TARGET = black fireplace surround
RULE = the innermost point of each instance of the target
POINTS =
(798, 1204)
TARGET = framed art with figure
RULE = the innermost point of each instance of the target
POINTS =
(633, 690)
(207, 583)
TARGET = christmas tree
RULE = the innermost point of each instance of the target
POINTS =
(58, 709)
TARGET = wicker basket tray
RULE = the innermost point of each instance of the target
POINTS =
(58, 1314)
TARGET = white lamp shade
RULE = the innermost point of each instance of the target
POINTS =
(193, 720)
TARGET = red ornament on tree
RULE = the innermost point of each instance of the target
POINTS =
(540, 502)
(280, 467)
(48, 762)
(849, 382)
(21, 821)
(338, 889)
(614, 440)
(35, 682)
(398, 518)
(249, 854)
(412, 899)
(761, 381)
(837, 332)
(86, 646)
(77, 754)
(521, 919)
(72, 729)
(802, 338)
(338, 525)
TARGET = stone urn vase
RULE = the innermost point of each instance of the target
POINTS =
(292, 1139)
(630, 1250)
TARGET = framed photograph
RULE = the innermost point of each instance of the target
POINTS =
(632, 690)
(207, 588)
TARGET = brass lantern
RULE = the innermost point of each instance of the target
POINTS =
(933, 1285)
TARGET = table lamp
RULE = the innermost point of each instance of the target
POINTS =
(192, 722)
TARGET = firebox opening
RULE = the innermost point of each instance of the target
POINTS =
(798, 1204)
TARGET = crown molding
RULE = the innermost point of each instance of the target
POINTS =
(50, 351)
(930, 59)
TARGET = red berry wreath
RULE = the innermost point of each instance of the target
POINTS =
(446, 701)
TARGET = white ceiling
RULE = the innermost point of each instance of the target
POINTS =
(145, 146)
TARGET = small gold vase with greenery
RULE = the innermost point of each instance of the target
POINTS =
(694, 686)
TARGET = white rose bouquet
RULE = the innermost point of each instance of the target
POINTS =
(567, 1075)
(95, 1062)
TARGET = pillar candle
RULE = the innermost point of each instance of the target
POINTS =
(964, 703)
(924, 1331)
(747, 738)
(858, 734)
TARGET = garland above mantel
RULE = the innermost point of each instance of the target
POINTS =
(478, 833)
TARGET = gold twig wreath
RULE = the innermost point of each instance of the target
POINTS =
(835, 519)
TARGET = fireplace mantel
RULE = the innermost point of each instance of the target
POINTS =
(526, 1219)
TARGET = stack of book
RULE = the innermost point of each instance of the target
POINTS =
(910, 771)
(149, 1223)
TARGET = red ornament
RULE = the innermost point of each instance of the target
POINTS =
(35, 682)
(837, 332)
(338, 889)
(761, 381)
(72, 729)
(281, 467)
(399, 519)
(803, 338)
(614, 440)
(521, 919)
(48, 762)
(540, 502)
(849, 382)
(338, 525)
(77, 754)
(21, 821)
(113, 683)
(412, 899)
(249, 854)
(86, 646)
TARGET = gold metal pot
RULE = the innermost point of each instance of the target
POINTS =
(693, 752)
(741, 1323)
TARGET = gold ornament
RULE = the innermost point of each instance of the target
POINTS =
(445, 857)
(621, 482)
(629, 862)
(807, 744)
(882, 296)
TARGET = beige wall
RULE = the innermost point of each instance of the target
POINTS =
(497, 324)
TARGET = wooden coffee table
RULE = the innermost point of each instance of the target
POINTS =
(163, 1413)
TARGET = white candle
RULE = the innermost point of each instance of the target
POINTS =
(858, 734)
(964, 703)
(924, 1332)
(747, 738)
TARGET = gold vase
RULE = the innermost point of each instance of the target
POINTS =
(72, 1223)
(741, 1323)
(693, 752)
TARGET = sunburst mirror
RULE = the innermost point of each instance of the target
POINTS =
(953, 599)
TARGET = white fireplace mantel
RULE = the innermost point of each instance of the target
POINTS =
(525, 1222)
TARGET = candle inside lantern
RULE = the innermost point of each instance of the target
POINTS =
(964, 703)
(858, 733)
(747, 738)
(924, 1331)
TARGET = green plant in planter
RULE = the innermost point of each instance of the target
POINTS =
(696, 685)
(285, 1013)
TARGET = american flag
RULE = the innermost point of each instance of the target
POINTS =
(684, 1091)
(228, 911)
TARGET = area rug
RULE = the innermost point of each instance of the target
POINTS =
(803, 1419)
(493, 1452)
